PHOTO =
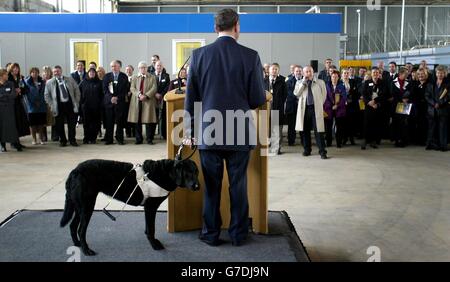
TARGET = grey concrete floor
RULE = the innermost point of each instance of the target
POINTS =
(397, 200)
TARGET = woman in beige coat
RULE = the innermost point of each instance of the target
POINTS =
(310, 114)
(143, 103)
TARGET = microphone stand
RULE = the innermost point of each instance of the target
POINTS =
(179, 90)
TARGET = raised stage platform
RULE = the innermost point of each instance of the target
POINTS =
(32, 236)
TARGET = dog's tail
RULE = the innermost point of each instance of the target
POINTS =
(69, 208)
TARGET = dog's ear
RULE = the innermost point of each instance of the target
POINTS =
(176, 173)
(149, 165)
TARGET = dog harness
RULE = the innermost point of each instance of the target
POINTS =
(148, 187)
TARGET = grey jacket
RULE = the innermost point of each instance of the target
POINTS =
(50, 94)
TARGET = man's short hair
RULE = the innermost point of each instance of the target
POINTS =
(156, 56)
(57, 67)
(116, 62)
(80, 61)
(275, 64)
(93, 63)
(226, 19)
(376, 68)
(131, 67)
(394, 63)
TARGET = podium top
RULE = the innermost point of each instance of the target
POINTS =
(171, 96)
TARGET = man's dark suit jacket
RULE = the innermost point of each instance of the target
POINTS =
(291, 99)
(120, 89)
(77, 77)
(163, 84)
(224, 76)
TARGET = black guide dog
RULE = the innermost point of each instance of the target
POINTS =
(94, 176)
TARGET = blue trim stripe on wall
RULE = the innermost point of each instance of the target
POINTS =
(175, 23)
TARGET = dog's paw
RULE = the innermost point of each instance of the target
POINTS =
(89, 252)
(156, 245)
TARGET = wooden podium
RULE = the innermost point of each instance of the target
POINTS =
(185, 207)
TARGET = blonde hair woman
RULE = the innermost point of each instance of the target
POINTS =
(47, 74)
(101, 73)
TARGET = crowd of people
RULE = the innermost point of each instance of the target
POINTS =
(89, 96)
(406, 105)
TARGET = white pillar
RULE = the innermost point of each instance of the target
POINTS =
(401, 31)
(345, 32)
(385, 28)
(359, 30)
(425, 31)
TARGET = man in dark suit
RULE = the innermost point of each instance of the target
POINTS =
(324, 74)
(437, 97)
(151, 69)
(384, 73)
(359, 79)
(80, 74)
(115, 87)
(225, 76)
(276, 85)
(392, 72)
(291, 72)
(292, 104)
(163, 81)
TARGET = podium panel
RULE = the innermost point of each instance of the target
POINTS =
(185, 207)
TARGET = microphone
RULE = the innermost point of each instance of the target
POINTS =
(179, 90)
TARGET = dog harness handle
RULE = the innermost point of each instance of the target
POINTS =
(115, 192)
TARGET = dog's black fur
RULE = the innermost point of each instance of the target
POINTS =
(94, 176)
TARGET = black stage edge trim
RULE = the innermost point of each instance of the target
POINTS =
(10, 217)
(300, 243)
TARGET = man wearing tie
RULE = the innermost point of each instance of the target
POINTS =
(312, 93)
(239, 86)
(276, 85)
(151, 69)
(80, 74)
(129, 128)
(292, 104)
(325, 73)
(115, 87)
(163, 81)
(142, 104)
(392, 72)
(63, 95)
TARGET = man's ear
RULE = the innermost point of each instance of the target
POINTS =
(237, 28)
